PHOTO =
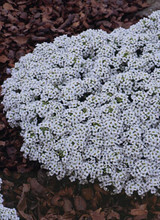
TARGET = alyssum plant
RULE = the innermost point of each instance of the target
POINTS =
(89, 106)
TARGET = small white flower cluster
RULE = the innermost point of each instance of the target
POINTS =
(6, 213)
(89, 106)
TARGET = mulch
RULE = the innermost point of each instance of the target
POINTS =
(26, 187)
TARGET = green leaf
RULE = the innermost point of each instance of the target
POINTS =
(104, 171)
(60, 153)
(110, 110)
(32, 134)
(95, 123)
(43, 129)
(109, 94)
(126, 54)
(45, 103)
(118, 99)
(84, 110)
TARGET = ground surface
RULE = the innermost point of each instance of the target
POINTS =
(23, 23)
(153, 6)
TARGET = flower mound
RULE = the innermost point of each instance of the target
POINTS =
(89, 106)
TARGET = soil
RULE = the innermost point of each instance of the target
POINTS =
(26, 187)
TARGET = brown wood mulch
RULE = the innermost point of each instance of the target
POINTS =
(23, 23)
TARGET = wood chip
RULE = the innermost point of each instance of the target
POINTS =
(20, 40)
(8, 6)
(3, 59)
(80, 203)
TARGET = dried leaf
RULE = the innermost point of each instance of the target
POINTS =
(131, 9)
(36, 188)
(22, 168)
(24, 15)
(94, 203)
(87, 193)
(156, 212)
(135, 212)
(3, 59)
(19, 54)
(12, 19)
(113, 215)
(22, 204)
(1, 25)
(99, 189)
(80, 203)
(67, 191)
(2, 126)
(67, 205)
(86, 25)
(142, 206)
(84, 216)
(2, 48)
(67, 216)
(16, 175)
(68, 21)
(57, 201)
(20, 40)
(8, 184)
(98, 196)
(143, 4)
(76, 24)
(108, 12)
(38, 39)
(2, 143)
(97, 215)
(11, 151)
(41, 176)
(7, 6)
(6, 172)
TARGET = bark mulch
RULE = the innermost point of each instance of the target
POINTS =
(23, 23)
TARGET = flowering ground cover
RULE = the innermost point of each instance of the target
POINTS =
(61, 200)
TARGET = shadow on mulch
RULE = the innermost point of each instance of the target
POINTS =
(23, 23)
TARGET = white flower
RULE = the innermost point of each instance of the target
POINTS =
(88, 106)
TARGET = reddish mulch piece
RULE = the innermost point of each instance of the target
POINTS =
(23, 24)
